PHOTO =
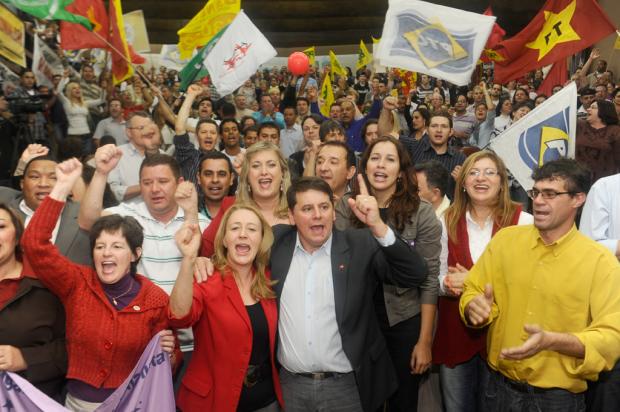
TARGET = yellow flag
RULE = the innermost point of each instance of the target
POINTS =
(375, 41)
(617, 43)
(207, 23)
(327, 96)
(336, 67)
(363, 56)
(311, 53)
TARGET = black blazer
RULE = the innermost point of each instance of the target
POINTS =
(71, 241)
(359, 263)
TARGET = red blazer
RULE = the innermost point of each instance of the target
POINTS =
(208, 236)
(222, 346)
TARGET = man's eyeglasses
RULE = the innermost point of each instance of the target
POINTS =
(546, 194)
(485, 172)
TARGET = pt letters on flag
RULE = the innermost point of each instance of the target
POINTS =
(147, 388)
(238, 53)
(437, 40)
(546, 133)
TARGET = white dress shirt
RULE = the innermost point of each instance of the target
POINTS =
(310, 339)
(126, 173)
(291, 140)
(479, 238)
(600, 219)
(29, 213)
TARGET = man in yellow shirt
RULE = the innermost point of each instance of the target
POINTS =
(550, 297)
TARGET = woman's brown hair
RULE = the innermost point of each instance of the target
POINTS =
(405, 200)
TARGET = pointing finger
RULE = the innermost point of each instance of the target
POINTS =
(362, 184)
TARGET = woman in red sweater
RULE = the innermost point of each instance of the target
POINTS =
(112, 312)
(233, 315)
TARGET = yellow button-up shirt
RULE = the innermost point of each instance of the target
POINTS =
(570, 286)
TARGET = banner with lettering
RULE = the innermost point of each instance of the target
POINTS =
(147, 388)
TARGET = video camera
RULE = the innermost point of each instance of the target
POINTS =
(26, 105)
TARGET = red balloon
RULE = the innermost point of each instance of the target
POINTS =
(298, 63)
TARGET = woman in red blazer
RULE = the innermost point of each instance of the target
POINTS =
(233, 315)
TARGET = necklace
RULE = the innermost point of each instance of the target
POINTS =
(119, 296)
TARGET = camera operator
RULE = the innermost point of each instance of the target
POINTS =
(8, 151)
(27, 107)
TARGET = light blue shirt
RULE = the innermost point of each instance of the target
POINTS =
(277, 118)
(310, 340)
(600, 219)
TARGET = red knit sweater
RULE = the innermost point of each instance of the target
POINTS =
(103, 344)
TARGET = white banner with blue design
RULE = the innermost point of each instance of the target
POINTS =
(544, 134)
(428, 38)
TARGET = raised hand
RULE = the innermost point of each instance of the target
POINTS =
(186, 197)
(188, 239)
(238, 163)
(596, 53)
(390, 103)
(106, 158)
(194, 90)
(366, 209)
(478, 309)
(67, 174)
(32, 151)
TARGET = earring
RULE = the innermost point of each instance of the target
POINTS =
(281, 186)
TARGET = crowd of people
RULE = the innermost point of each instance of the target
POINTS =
(293, 261)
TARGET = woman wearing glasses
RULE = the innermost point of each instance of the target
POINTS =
(481, 207)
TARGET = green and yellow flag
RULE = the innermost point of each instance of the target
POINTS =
(336, 67)
(207, 23)
(363, 56)
(50, 10)
(327, 96)
(311, 53)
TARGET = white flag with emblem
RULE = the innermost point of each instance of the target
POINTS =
(544, 134)
(436, 40)
(236, 56)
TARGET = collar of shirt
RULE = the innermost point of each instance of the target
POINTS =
(427, 146)
(471, 220)
(294, 127)
(326, 247)
(559, 245)
(143, 211)
(25, 208)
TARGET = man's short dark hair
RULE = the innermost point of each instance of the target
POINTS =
(305, 184)
(34, 159)
(158, 159)
(268, 125)
(228, 110)
(293, 108)
(206, 121)
(251, 129)
(577, 176)
(215, 155)
(138, 113)
(437, 175)
(130, 229)
(444, 114)
(303, 99)
(587, 91)
(329, 126)
(350, 157)
(229, 120)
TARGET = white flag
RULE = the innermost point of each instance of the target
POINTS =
(170, 57)
(45, 63)
(238, 53)
(544, 134)
(436, 40)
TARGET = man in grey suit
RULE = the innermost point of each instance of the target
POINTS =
(38, 179)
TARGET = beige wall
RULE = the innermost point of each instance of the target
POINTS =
(612, 8)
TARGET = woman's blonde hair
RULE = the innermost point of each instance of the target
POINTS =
(261, 286)
(68, 91)
(503, 209)
(244, 192)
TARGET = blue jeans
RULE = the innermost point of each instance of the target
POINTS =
(463, 385)
(336, 394)
(504, 395)
(604, 394)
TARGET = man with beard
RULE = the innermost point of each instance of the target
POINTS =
(229, 130)
(217, 180)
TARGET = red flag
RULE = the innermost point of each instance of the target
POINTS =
(497, 33)
(135, 57)
(75, 36)
(561, 28)
(557, 75)
(121, 68)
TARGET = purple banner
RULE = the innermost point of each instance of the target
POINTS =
(18, 395)
(148, 387)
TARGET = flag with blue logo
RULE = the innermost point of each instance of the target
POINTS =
(544, 134)
(436, 40)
